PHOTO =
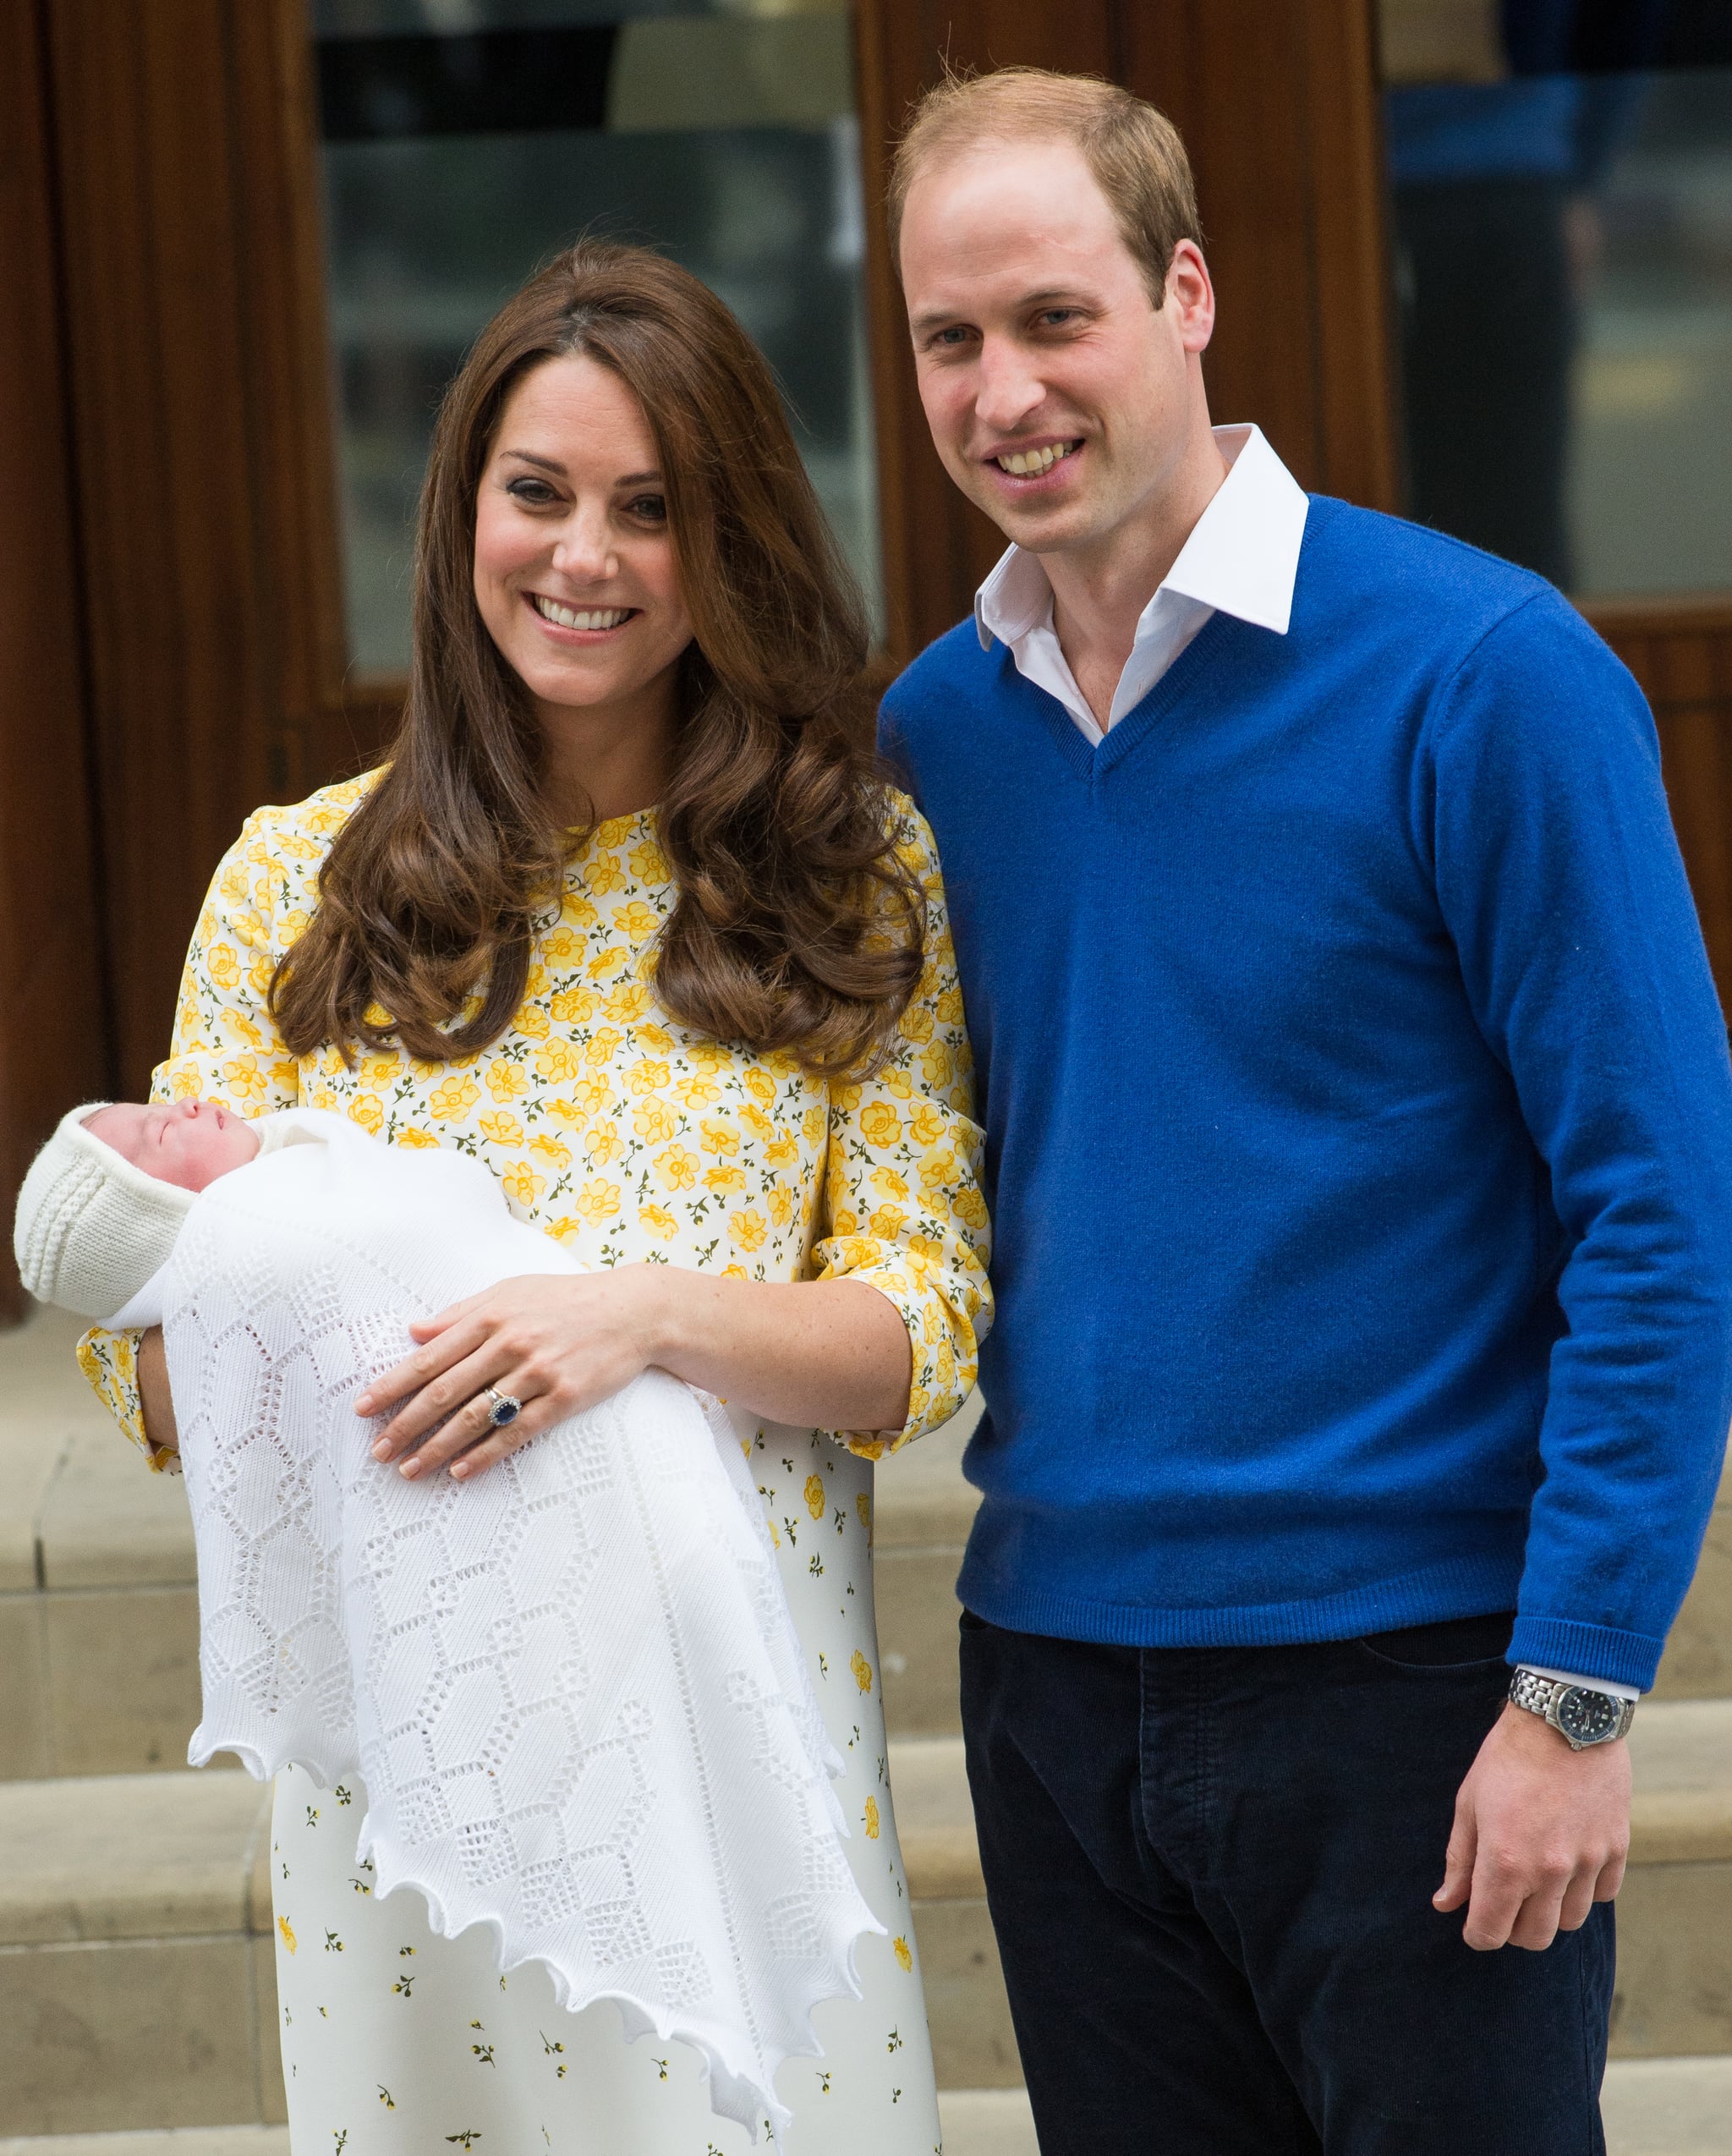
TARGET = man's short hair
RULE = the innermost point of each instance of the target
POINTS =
(1135, 152)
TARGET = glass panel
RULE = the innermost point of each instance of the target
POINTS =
(1561, 184)
(466, 140)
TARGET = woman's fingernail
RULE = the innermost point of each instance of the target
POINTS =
(364, 1406)
(410, 1468)
(459, 1468)
(381, 1451)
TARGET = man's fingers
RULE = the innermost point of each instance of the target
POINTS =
(1500, 1890)
(1611, 1876)
(1578, 1900)
(1458, 1863)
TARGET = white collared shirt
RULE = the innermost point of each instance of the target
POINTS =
(1241, 558)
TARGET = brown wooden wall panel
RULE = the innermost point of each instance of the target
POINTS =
(937, 546)
(54, 1045)
(1682, 654)
(1276, 102)
(196, 335)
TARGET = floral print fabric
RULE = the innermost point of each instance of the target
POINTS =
(611, 1126)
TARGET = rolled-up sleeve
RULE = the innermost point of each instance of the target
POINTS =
(902, 1205)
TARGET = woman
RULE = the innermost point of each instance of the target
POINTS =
(628, 916)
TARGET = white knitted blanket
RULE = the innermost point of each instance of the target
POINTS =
(571, 1686)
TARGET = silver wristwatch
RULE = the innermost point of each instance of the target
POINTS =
(1581, 1716)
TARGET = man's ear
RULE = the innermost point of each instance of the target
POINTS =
(1190, 296)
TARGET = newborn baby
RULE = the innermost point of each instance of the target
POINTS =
(572, 1682)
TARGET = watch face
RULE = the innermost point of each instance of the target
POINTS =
(1587, 1716)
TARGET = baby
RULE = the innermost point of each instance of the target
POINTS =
(605, 1598)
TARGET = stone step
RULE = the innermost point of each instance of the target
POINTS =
(98, 1614)
(1651, 2107)
(137, 1982)
(137, 1985)
(1675, 1915)
(172, 2141)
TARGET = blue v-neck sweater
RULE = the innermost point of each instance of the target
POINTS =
(1358, 1124)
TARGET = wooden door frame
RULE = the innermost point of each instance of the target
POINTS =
(56, 1046)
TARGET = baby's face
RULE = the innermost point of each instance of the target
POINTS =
(189, 1143)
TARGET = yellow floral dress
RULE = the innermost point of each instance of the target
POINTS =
(611, 1126)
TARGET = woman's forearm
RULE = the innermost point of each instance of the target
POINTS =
(829, 1354)
(160, 1427)
(834, 1354)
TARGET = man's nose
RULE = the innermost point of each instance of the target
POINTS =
(1008, 387)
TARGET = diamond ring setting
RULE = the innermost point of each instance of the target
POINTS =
(506, 1408)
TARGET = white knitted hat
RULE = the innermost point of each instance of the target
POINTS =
(90, 1228)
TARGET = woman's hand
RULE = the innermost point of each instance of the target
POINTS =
(556, 1342)
(833, 1354)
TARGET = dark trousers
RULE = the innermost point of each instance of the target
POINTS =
(1210, 1872)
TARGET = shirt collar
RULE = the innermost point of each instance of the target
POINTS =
(1243, 556)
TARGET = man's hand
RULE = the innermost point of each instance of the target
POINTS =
(1540, 1834)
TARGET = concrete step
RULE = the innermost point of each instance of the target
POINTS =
(137, 1983)
(188, 2140)
(98, 1614)
(136, 1978)
(1651, 2107)
(1667, 2107)
(1675, 1920)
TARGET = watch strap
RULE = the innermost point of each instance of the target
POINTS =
(1540, 1696)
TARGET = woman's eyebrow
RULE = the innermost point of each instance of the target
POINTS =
(552, 464)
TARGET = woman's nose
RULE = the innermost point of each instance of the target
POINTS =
(584, 550)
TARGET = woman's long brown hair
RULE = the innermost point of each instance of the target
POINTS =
(795, 926)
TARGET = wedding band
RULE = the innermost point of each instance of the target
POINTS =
(504, 1408)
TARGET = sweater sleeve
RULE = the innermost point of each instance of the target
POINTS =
(224, 1048)
(902, 1208)
(1560, 882)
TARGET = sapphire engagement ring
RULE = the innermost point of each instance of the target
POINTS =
(504, 1408)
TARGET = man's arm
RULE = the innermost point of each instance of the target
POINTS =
(1561, 886)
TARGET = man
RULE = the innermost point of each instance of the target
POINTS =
(1359, 1135)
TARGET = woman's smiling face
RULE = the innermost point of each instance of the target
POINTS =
(575, 575)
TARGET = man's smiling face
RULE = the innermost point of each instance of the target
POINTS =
(1059, 398)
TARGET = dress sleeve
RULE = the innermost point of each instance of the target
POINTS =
(225, 1047)
(902, 1208)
